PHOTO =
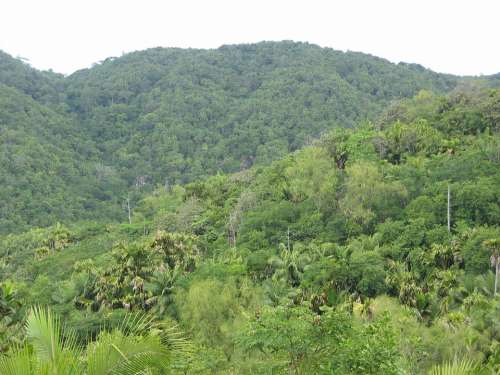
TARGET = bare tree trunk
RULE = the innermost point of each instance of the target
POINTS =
(129, 211)
(288, 239)
(232, 237)
(496, 275)
(449, 210)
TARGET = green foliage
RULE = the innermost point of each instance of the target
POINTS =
(73, 147)
(369, 194)
(212, 310)
(294, 338)
(53, 350)
(299, 341)
(11, 314)
(336, 259)
(139, 275)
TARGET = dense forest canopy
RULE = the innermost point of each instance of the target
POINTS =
(337, 258)
(76, 147)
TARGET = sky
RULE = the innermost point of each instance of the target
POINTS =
(450, 36)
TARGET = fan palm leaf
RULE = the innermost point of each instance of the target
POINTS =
(20, 362)
(462, 367)
(116, 353)
(138, 347)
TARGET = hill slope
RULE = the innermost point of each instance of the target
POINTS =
(167, 116)
(183, 114)
(47, 167)
(336, 259)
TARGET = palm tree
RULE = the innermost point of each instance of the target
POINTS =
(290, 264)
(136, 348)
(10, 315)
(161, 286)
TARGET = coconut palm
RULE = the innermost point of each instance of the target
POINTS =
(138, 347)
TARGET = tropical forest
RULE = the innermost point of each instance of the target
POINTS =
(269, 208)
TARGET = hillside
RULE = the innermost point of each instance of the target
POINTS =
(198, 112)
(75, 147)
(44, 87)
(47, 167)
(336, 259)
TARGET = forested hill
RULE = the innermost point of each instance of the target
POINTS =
(73, 146)
(337, 259)
(183, 114)
(45, 87)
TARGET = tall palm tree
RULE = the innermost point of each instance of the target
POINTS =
(290, 264)
(136, 348)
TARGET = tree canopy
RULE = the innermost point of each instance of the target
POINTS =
(74, 148)
(334, 259)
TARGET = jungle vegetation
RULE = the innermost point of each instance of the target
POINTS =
(290, 238)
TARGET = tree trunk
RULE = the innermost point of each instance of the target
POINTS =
(288, 239)
(496, 275)
(128, 209)
(449, 210)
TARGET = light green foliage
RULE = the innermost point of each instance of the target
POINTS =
(416, 138)
(369, 194)
(213, 310)
(462, 367)
(313, 176)
(296, 340)
(336, 259)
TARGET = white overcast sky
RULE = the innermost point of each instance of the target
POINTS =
(452, 36)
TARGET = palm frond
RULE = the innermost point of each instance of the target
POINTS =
(462, 367)
(116, 353)
(180, 347)
(136, 324)
(18, 362)
(51, 348)
(139, 347)
(175, 339)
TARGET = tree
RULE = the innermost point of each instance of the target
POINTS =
(246, 201)
(137, 272)
(298, 341)
(294, 336)
(212, 311)
(335, 144)
(56, 239)
(176, 250)
(313, 177)
(290, 264)
(369, 195)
